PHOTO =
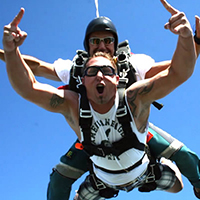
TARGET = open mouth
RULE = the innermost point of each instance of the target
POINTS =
(100, 89)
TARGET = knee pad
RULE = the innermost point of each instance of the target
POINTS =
(68, 171)
(174, 147)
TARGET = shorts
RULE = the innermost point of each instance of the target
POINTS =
(167, 180)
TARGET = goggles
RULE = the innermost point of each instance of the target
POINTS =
(97, 40)
(106, 70)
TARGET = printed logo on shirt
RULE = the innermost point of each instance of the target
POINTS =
(109, 126)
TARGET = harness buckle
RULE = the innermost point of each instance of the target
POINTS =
(121, 112)
(98, 184)
(101, 151)
(85, 113)
(124, 73)
(79, 82)
(151, 176)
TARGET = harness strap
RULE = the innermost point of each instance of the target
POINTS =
(129, 141)
(115, 148)
(123, 170)
(124, 118)
(85, 117)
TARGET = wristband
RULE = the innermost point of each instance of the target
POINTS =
(196, 39)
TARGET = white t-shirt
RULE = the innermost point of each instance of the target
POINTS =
(107, 127)
(141, 62)
(62, 68)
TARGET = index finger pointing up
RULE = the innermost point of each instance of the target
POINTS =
(168, 7)
(17, 18)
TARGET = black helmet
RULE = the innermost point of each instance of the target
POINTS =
(100, 24)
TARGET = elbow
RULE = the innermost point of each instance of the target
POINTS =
(26, 91)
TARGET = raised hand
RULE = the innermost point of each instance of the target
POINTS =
(13, 36)
(178, 23)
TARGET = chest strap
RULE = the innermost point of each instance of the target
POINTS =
(138, 163)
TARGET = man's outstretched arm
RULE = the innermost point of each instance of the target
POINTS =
(38, 67)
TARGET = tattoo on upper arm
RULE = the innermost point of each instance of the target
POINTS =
(132, 95)
(143, 126)
(56, 100)
(146, 89)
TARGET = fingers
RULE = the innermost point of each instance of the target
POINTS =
(178, 22)
(168, 7)
(13, 36)
(175, 21)
(19, 40)
(18, 18)
(7, 34)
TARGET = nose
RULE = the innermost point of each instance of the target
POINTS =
(102, 47)
(99, 74)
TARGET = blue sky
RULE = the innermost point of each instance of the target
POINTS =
(32, 139)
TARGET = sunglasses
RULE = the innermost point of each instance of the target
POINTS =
(97, 40)
(105, 70)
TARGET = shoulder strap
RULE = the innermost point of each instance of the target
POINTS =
(77, 69)
(85, 116)
(125, 67)
(124, 118)
(130, 140)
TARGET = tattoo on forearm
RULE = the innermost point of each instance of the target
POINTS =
(56, 100)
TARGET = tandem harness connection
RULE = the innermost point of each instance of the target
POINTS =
(127, 76)
(125, 68)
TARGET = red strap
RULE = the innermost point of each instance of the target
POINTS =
(64, 87)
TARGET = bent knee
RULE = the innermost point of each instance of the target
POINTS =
(178, 185)
(68, 171)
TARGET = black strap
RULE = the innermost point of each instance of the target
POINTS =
(85, 116)
(123, 170)
(106, 148)
(124, 118)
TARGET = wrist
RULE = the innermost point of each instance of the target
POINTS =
(196, 39)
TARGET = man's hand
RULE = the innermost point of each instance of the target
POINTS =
(13, 36)
(178, 23)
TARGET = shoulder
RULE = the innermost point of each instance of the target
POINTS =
(62, 69)
(60, 63)
(141, 58)
(142, 64)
